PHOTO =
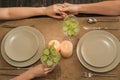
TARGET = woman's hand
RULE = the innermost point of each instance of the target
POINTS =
(40, 70)
(55, 11)
(37, 71)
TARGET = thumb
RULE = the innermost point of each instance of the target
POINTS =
(63, 14)
(58, 16)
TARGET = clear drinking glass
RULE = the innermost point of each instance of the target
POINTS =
(50, 57)
(70, 28)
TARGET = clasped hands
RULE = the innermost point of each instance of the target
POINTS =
(59, 11)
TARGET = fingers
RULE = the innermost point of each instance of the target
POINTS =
(63, 14)
(59, 10)
(65, 9)
(61, 7)
(66, 4)
(47, 70)
(60, 15)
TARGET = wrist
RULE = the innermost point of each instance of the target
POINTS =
(40, 11)
(43, 10)
(27, 75)
(30, 75)
(81, 8)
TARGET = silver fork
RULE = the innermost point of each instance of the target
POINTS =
(88, 75)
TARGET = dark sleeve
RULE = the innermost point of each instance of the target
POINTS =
(38, 3)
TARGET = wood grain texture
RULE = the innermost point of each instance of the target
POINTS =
(68, 68)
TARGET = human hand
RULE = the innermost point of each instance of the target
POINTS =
(70, 8)
(55, 11)
(37, 71)
(40, 70)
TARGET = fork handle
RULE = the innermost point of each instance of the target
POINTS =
(6, 74)
(105, 75)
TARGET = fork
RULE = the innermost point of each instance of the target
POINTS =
(88, 75)
(7, 74)
(13, 68)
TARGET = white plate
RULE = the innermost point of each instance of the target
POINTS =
(21, 45)
(113, 41)
(30, 61)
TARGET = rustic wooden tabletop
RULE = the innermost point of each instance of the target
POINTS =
(68, 68)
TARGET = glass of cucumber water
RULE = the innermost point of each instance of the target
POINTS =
(70, 27)
(50, 56)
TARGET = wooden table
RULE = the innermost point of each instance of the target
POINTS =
(68, 68)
